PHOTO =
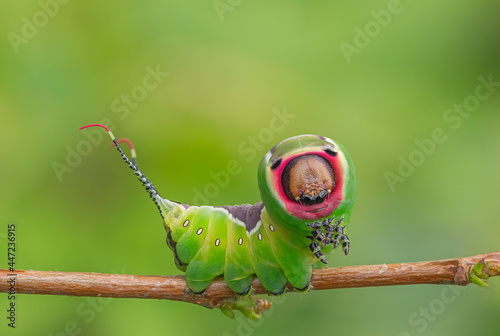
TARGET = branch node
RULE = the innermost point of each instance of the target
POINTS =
(252, 307)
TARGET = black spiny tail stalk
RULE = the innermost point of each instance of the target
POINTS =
(153, 193)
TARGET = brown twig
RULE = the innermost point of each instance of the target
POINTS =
(448, 271)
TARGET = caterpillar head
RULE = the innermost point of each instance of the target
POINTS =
(306, 178)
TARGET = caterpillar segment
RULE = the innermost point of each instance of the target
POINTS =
(305, 182)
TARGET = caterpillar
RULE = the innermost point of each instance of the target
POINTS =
(308, 189)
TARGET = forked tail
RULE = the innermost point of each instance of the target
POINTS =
(163, 205)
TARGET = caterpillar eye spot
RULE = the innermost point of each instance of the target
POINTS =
(306, 179)
(330, 152)
(276, 164)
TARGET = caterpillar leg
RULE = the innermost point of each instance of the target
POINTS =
(188, 290)
(306, 289)
(335, 234)
(279, 293)
(316, 250)
(326, 233)
(247, 292)
(342, 239)
(241, 286)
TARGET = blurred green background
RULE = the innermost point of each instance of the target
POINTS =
(378, 77)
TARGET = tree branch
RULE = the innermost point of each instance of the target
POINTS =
(459, 271)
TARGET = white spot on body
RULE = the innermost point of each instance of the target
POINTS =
(259, 236)
(271, 227)
(217, 242)
(199, 231)
(186, 223)
(240, 241)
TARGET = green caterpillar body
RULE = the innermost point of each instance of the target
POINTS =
(307, 187)
(210, 241)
